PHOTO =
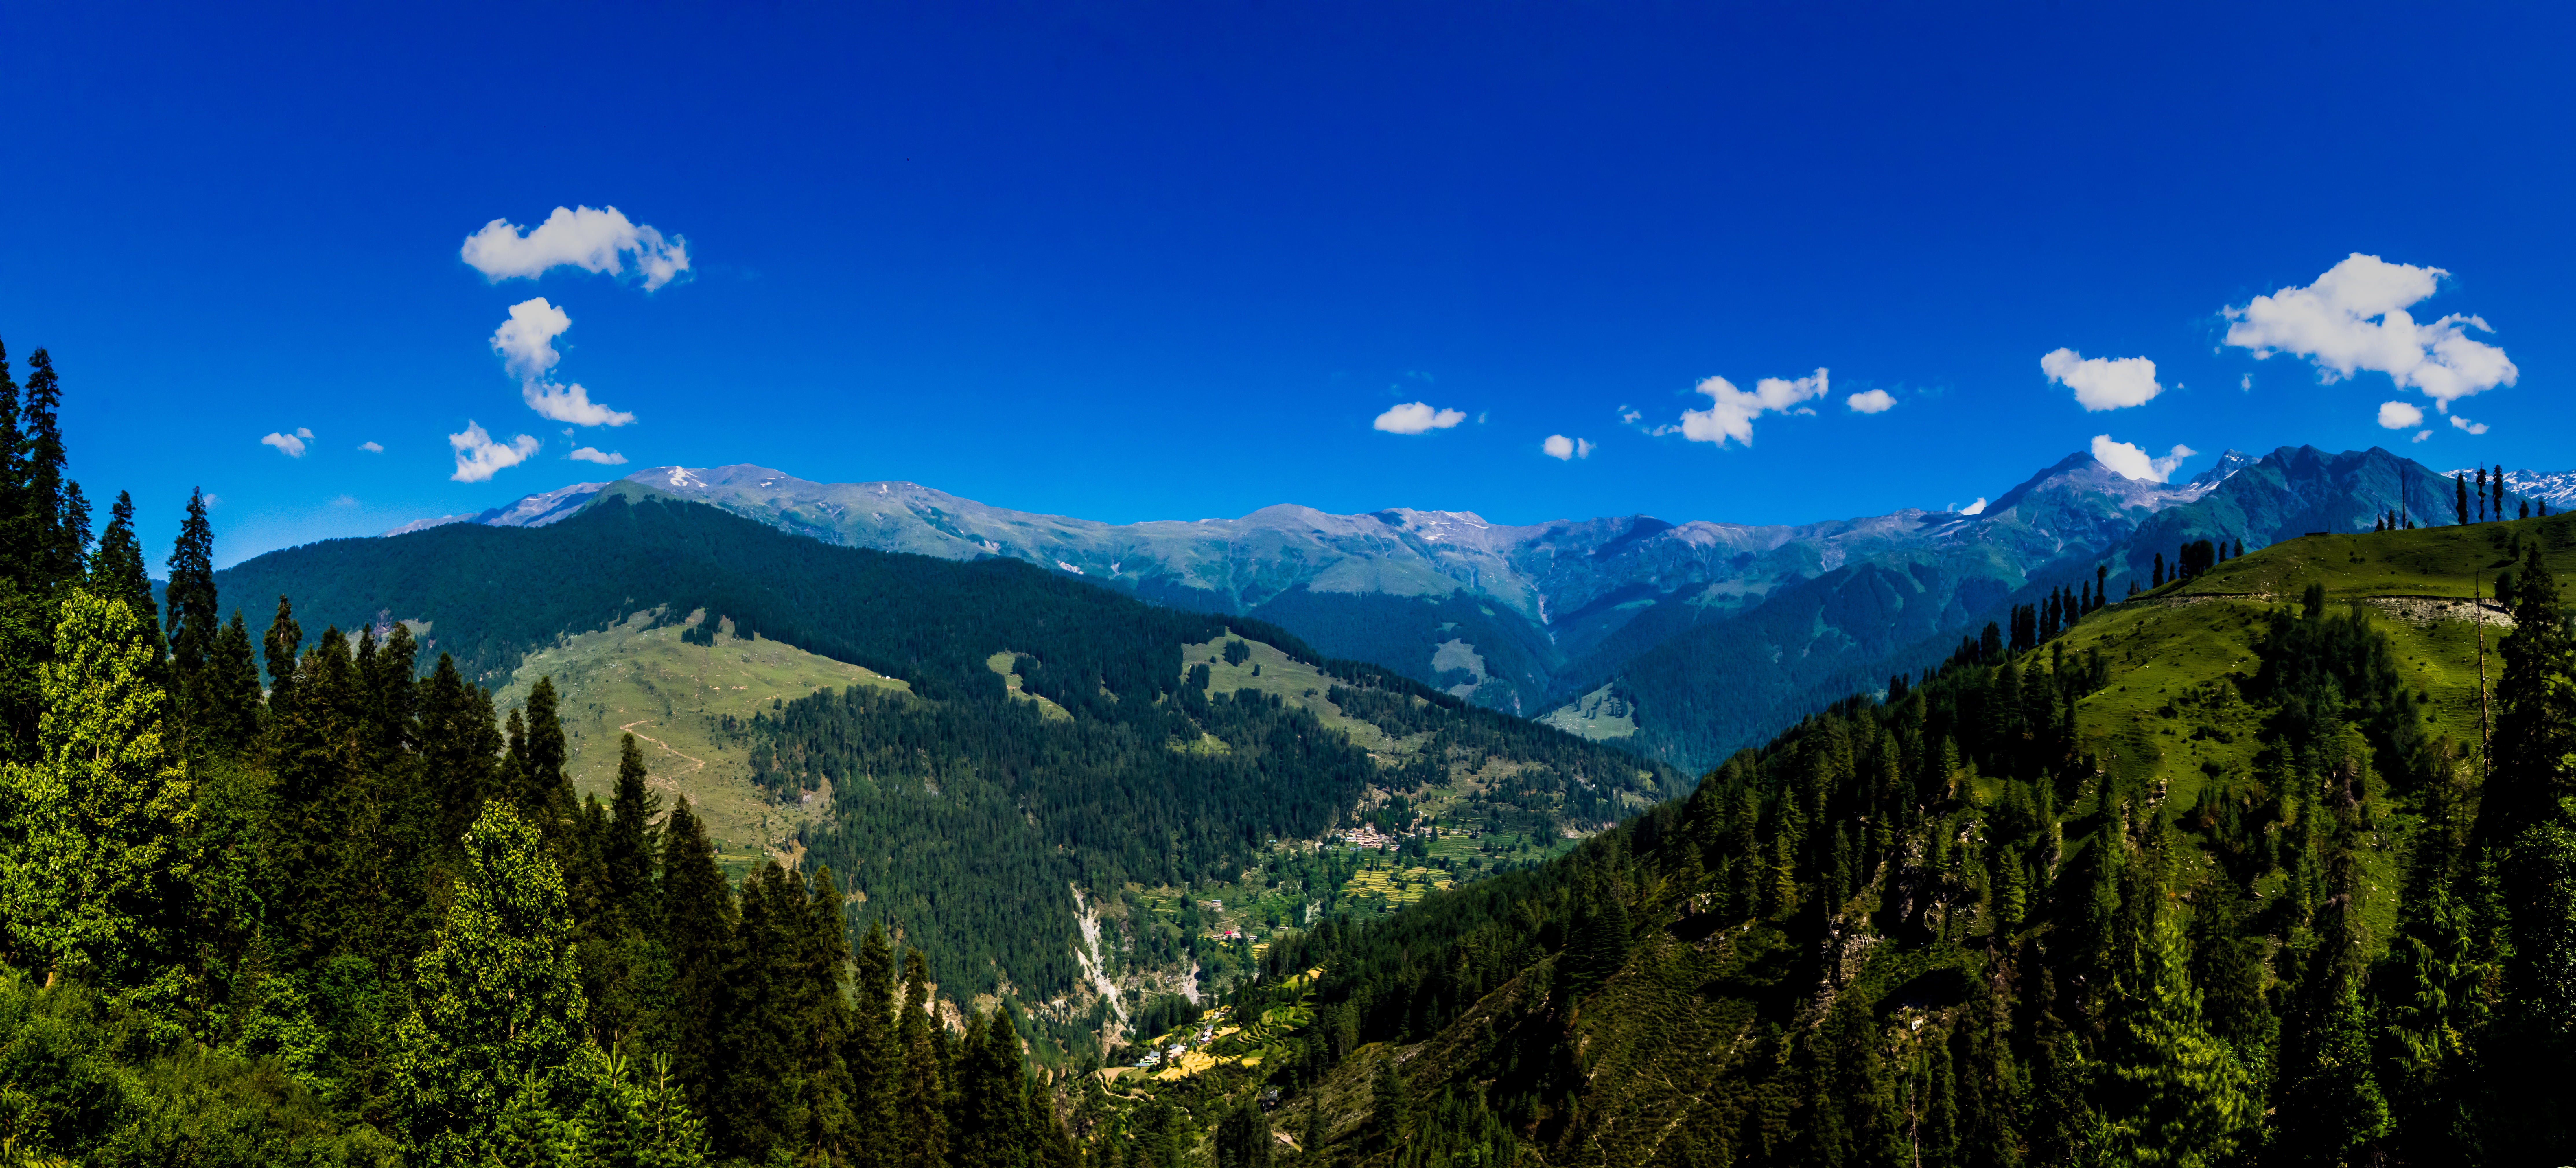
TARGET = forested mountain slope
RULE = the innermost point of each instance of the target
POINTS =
(2221, 874)
(1706, 690)
(1057, 753)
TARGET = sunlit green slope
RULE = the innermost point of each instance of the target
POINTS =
(2176, 858)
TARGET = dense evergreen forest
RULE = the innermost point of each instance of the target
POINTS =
(962, 815)
(346, 917)
(1933, 929)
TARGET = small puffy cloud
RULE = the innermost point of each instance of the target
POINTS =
(2133, 463)
(570, 403)
(1416, 418)
(1731, 411)
(1628, 416)
(1976, 508)
(478, 457)
(576, 237)
(2103, 383)
(526, 345)
(1875, 401)
(2399, 415)
(592, 454)
(526, 341)
(1558, 446)
(345, 501)
(303, 433)
(372, 447)
(2354, 319)
(2421, 435)
(2247, 384)
(2458, 422)
(290, 445)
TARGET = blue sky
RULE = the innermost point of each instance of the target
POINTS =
(1174, 260)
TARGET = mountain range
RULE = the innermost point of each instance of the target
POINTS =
(1692, 638)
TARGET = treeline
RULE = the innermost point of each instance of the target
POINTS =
(349, 917)
(1931, 931)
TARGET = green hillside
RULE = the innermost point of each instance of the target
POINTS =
(2219, 875)
(639, 677)
(1040, 783)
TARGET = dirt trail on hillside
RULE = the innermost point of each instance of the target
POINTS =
(695, 764)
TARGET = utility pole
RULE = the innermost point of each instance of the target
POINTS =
(2477, 612)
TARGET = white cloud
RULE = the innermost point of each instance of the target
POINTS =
(372, 447)
(2465, 424)
(2354, 319)
(1976, 508)
(570, 403)
(2399, 415)
(1731, 411)
(591, 454)
(2421, 435)
(577, 237)
(1416, 418)
(2103, 383)
(1876, 401)
(526, 345)
(2132, 463)
(2247, 384)
(526, 340)
(303, 433)
(345, 501)
(1628, 416)
(1559, 446)
(478, 457)
(290, 445)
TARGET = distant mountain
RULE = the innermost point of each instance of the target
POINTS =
(532, 511)
(1710, 633)
(1494, 613)
(2554, 487)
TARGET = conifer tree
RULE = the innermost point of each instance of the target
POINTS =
(821, 1021)
(2460, 493)
(94, 858)
(544, 788)
(2482, 495)
(56, 515)
(992, 1128)
(2535, 728)
(2168, 1091)
(116, 572)
(2496, 484)
(194, 621)
(1243, 1138)
(485, 1070)
(229, 703)
(283, 642)
(2537, 1051)
(629, 850)
(875, 1050)
(696, 931)
(458, 748)
(922, 1103)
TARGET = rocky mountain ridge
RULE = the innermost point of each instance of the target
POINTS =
(1528, 618)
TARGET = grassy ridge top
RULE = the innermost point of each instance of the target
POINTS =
(2428, 561)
